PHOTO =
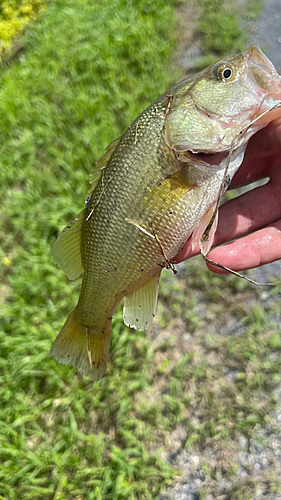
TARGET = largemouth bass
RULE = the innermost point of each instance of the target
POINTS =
(155, 187)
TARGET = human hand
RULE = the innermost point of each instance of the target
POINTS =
(254, 217)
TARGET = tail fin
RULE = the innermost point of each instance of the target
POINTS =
(83, 347)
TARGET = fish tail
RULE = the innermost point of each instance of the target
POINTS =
(83, 347)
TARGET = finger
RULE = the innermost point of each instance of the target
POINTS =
(252, 170)
(249, 212)
(235, 220)
(258, 158)
(256, 249)
(242, 215)
(266, 142)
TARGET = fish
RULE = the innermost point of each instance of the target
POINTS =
(155, 187)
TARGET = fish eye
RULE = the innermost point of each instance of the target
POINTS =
(224, 72)
(227, 73)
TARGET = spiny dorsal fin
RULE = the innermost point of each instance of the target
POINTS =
(66, 250)
(140, 306)
(102, 163)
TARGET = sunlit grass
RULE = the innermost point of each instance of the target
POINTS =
(223, 28)
(14, 17)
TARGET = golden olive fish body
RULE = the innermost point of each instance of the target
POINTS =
(156, 186)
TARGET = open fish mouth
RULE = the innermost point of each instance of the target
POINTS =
(212, 159)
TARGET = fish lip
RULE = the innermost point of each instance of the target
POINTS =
(260, 70)
(255, 56)
(275, 89)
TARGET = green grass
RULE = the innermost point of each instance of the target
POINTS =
(14, 17)
(224, 27)
(86, 72)
(220, 385)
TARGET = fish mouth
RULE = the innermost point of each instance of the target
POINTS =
(231, 158)
(260, 70)
(212, 159)
(219, 159)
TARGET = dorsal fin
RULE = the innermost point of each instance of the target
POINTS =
(102, 163)
(66, 251)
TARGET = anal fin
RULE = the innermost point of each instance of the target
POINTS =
(140, 306)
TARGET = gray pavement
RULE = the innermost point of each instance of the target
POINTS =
(266, 31)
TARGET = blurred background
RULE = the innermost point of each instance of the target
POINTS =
(190, 409)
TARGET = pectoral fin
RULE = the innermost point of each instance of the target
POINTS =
(66, 250)
(140, 306)
(198, 233)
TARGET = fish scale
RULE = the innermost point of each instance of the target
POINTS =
(112, 203)
(155, 187)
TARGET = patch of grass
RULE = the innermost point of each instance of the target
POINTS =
(246, 488)
(220, 384)
(14, 17)
(88, 70)
(223, 28)
(219, 25)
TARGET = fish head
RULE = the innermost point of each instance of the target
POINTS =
(219, 109)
